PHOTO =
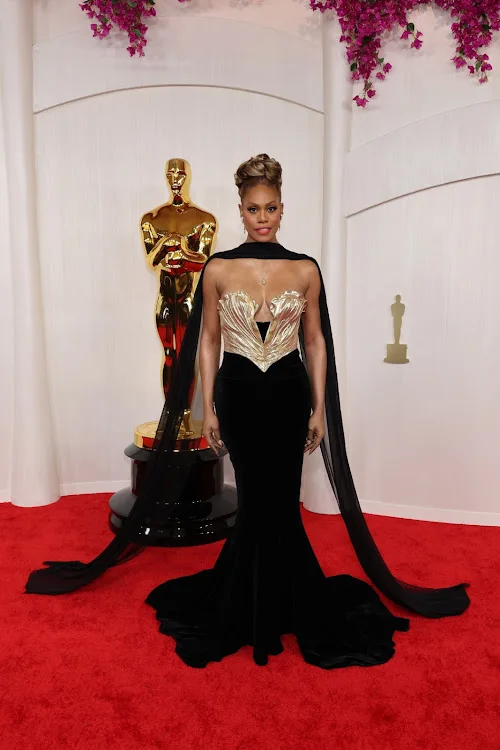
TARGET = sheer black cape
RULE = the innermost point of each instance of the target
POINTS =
(63, 577)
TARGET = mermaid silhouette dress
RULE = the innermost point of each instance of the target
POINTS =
(267, 581)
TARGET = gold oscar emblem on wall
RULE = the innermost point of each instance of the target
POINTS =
(397, 353)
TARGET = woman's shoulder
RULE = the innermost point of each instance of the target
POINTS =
(307, 261)
(309, 266)
(215, 265)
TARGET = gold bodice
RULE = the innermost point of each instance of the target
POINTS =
(241, 334)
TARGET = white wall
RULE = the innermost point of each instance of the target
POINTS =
(6, 358)
(423, 223)
(221, 81)
(105, 126)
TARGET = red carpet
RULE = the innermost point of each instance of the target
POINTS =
(89, 671)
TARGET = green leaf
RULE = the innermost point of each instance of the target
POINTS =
(411, 27)
(105, 19)
(367, 39)
(137, 33)
(380, 60)
(478, 65)
(354, 66)
(485, 27)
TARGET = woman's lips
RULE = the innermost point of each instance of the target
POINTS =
(264, 230)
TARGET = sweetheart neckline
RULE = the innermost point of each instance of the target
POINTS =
(273, 304)
(273, 299)
(270, 306)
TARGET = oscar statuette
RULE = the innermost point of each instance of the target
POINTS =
(177, 238)
(397, 353)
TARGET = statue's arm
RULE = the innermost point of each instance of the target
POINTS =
(207, 237)
(204, 243)
(153, 244)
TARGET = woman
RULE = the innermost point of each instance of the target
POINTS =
(269, 410)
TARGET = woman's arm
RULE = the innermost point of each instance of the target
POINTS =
(210, 343)
(316, 360)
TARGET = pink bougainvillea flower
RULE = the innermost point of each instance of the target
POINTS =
(360, 101)
(365, 25)
(125, 15)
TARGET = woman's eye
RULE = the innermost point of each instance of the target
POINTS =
(272, 208)
(252, 210)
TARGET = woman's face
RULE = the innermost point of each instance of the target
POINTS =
(261, 213)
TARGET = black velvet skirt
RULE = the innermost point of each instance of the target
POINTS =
(267, 581)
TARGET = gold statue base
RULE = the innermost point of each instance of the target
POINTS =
(397, 354)
(187, 440)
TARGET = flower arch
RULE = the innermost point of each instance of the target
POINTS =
(364, 24)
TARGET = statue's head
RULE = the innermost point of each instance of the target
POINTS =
(178, 173)
(398, 298)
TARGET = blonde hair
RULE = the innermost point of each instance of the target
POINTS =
(260, 169)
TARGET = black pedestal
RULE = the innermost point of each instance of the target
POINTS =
(206, 508)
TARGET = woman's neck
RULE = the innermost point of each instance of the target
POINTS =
(256, 242)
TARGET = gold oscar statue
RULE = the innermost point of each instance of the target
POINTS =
(198, 507)
(397, 352)
(178, 237)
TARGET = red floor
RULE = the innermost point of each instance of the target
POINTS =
(89, 671)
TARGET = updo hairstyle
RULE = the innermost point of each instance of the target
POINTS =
(258, 170)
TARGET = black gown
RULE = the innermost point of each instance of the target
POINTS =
(266, 581)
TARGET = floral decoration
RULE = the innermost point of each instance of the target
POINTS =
(127, 15)
(365, 25)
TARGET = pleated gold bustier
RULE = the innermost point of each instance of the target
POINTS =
(241, 334)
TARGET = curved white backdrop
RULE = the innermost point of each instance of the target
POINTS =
(399, 198)
(421, 193)
(104, 354)
(6, 326)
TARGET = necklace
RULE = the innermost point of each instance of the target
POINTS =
(263, 277)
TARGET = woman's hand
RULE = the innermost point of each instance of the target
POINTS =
(315, 432)
(211, 433)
